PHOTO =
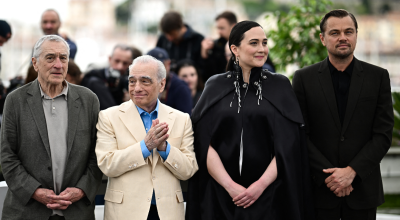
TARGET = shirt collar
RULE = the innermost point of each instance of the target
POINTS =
(63, 92)
(348, 70)
(141, 111)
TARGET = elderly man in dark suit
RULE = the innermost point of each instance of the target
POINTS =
(348, 110)
(48, 139)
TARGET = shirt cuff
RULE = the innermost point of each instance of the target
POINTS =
(145, 151)
(164, 154)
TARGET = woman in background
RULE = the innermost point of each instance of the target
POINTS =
(187, 72)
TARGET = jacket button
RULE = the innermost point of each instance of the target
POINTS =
(49, 168)
(342, 138)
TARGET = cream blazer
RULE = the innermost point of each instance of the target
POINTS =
(131, 178)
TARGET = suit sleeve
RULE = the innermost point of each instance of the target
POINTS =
(318, 161)
(19, 181)
(181, 160)
(113, 161)
(372, 153)
(91, 179)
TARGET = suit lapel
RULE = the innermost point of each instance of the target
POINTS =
(164, 115)
(74, 106)
(325, 80)
(35, 104)
(130, 117)
(357, 78)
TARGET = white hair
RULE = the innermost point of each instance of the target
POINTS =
(37, 50)
(161, 71)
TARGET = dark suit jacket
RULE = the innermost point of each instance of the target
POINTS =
(363, 139)
(26, 156)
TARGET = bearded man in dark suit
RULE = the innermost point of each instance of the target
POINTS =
(347, 107)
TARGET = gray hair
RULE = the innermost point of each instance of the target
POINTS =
(161, 72)
(37, 50)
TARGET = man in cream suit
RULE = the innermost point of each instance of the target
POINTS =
(145, 148)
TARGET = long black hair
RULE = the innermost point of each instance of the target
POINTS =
(236, 36)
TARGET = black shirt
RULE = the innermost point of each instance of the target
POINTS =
(216, 60)
(188, 48)
(341, 84)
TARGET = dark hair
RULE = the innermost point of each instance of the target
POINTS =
(171, 21)
(338, 13)
(32, 75)
(186, 63)
(236, 36)
(229, 16)
(5, 29)
(74, 71)
(134, 51)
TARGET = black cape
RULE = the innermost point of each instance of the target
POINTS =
(273, 128)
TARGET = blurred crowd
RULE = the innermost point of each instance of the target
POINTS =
(189, 58)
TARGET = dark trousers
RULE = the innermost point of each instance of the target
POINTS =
(153, 213)
(344, 212)
(56, 217)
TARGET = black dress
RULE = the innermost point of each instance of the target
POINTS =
(270, 129)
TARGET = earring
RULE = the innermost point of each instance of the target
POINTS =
(236, 65)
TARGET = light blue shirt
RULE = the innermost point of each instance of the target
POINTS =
(147, 121)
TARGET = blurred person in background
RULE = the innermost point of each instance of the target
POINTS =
(5, 32)
(74, 74)
(213, 51)
(5, 35)
(269, 65)
(179, 39)
(15, 83)
(51, 23)
(187, 71)
(110, 84)
(176, 93)
(31, 75)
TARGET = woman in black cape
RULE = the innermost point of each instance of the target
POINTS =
(249, 141)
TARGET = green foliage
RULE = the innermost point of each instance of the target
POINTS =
(256, 7)
(391, 201)
(123, 12)
(396, 128)
(296, 39)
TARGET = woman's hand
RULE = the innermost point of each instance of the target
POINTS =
(234, 189)
(250, 195)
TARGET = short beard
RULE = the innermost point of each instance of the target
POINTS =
(342, 56)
